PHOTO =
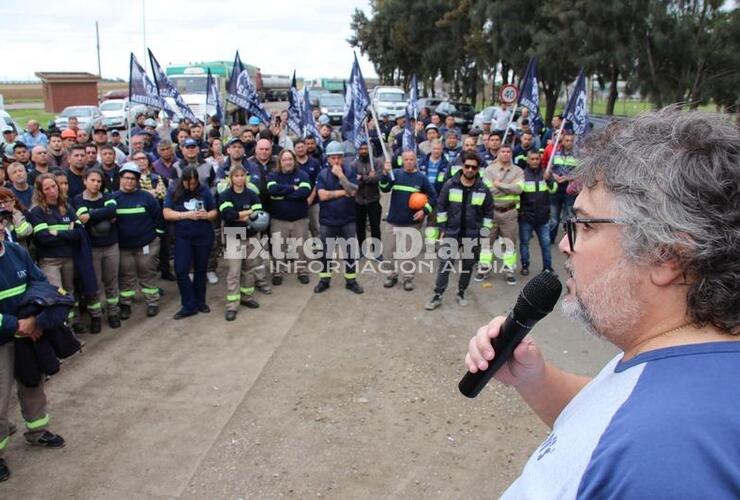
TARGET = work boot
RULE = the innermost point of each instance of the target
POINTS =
(461, 300)
(114, 321)
(390, 281)
(354, 286)
(408, 285)
(264, 288)
(511, 280)
(168, 276)
(78, 328)
(322, 286)
(304, 279)
(524, 271)
(434, 303)
(277, 280)
(46, 439)
(95, 325)
(250, 302)
(482, 275)
(4, 471)
(230, 315)
(152, 310)
(125, 311)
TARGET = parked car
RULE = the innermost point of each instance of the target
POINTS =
(116, 113)
(391, 100)
(87, 116)
(332, 105)
(462, 112)
(314, 93)
(429, 102)
(485, 114)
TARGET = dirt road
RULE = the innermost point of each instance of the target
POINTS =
(332, 395)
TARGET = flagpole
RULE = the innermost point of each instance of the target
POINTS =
(377, 124)
(369, 142)
(506, 132)
(555, 146)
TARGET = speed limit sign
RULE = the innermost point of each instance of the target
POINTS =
(508, 94)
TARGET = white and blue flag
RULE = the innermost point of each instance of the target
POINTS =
(408, 141)
(576, 112)
(412, 109)
(529, 96)
(141, 90)
(357, 100)
(213, 97)
(166, 88)
(295, 109)
(309, 124)
(242, 92)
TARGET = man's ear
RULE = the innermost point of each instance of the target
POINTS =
(668, 272)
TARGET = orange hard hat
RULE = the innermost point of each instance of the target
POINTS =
(68, 134)
(417, 201)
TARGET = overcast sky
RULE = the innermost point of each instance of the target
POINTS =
(277, 36)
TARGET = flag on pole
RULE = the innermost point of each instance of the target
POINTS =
(408, 142)
(576, 111)
(309, 124)
(213, 97)
(141, 90)
(295, 109)
(356, 103)
(412, 109)
(166, 88)
(529, 96)
(242, 92)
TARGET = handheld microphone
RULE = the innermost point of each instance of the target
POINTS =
(536, 301)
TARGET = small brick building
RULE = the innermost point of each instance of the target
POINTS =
(62, 89)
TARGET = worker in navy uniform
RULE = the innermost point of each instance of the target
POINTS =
(337, 186)
(17, 272)
(140, 224)
(236, 204)
(192, 208)
(97, 211)
(464, 214)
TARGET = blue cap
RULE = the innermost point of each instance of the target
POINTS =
(324, 120)
(189, 142)
(254, 120)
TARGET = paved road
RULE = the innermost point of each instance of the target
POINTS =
(25, 105)
(332, 395)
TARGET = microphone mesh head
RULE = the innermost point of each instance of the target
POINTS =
(539, 296)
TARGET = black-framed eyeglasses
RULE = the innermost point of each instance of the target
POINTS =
(569, 226)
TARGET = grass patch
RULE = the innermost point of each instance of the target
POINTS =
(21, 116)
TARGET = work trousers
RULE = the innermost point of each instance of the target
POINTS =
(404, 261)
(241, 276)
(139, 265)
(106, 262)
(32, 399)
(339, 242)
(313, 220)
(282, 232)
(372, 212)
(506, 225)
(60, 271)
(192, 292)
(446, 265)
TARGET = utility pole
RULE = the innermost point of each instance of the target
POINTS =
(143, 30)
(97, 43)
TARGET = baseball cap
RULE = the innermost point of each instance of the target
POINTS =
(149, 122)
(234, 140)
(189, 143)
(253, 120)
(324, 120)
(6, 129)
(8, 152)
(69, 134)
(99, 128)
(431, 126)
(115, 132)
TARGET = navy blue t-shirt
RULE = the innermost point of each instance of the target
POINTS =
(199, 232)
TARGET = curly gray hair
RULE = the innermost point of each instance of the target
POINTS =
(675, 178)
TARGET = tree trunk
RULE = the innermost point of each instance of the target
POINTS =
(551, 101)
(657, 98)
(613, 93)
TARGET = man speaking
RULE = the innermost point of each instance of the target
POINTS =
(653, 258)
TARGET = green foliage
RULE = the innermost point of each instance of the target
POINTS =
(684, 51)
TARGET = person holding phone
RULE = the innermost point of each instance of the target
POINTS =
(191, 207)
